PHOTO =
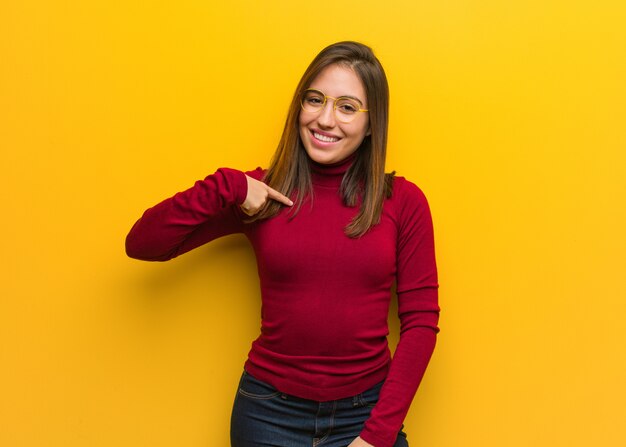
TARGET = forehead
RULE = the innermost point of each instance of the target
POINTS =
(337, 80)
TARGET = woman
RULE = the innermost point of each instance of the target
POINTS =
(331, 232)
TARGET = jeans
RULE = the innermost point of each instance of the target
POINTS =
(264, 417)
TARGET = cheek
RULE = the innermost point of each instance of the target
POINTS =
(302, 130)
(303, 119)
(366, 128)
(301, 126)
(360, 132)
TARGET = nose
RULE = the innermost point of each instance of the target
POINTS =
(326, 117)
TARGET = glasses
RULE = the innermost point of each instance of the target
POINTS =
(346, 108)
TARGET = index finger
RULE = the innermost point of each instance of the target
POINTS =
(275, 195)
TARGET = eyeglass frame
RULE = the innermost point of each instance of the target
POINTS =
(334, 103)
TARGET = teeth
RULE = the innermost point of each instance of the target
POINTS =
(325, 138)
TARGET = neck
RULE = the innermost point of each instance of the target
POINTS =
(330, 174)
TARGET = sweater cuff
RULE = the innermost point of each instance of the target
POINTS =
(239, 183)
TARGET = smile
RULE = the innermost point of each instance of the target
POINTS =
(324, 138)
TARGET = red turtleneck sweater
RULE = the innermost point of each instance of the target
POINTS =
(325, 296)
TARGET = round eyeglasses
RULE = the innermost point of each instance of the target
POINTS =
(345, 107)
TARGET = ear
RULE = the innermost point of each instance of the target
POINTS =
(369, 131)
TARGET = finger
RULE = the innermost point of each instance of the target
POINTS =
(275, 195)
(244, 209)
(247, 210)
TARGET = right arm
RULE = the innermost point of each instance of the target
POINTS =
(198, 215)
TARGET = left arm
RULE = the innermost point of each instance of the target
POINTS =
(418, 310)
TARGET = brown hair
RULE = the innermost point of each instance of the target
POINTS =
(290, 171)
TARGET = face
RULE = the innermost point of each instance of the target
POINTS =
(327, 140)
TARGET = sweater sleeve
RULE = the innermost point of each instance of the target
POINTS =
(190, 218)
(418, 310)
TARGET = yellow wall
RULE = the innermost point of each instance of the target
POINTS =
(509, 115)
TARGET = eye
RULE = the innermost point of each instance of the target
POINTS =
(313, 98)
(347, 106)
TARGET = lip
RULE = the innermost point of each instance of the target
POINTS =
(321, 143)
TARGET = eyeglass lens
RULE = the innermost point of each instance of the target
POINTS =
(345, 108)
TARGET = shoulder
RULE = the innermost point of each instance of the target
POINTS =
(408, 205)
(405, 193)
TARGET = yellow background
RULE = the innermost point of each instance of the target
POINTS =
(509, 115)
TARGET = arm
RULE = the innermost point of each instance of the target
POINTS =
(206, 211)
(418, 311)
(190, 218)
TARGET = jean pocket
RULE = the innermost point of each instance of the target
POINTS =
(369, 398)
(256, 389)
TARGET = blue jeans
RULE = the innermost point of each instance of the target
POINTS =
(264, 417)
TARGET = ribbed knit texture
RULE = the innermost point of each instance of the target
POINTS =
(325, 296)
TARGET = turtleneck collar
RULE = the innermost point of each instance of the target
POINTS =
(330, 174)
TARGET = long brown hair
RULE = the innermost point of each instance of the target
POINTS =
(290, 171)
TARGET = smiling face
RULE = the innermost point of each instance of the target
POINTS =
(327, 140)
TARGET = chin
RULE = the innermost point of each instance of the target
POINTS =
(323, 159)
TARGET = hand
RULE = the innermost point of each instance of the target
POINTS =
(358, 442)
(258, 194)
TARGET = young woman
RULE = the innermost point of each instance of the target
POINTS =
(331, 232)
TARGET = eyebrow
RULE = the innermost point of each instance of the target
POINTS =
(351, 97)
